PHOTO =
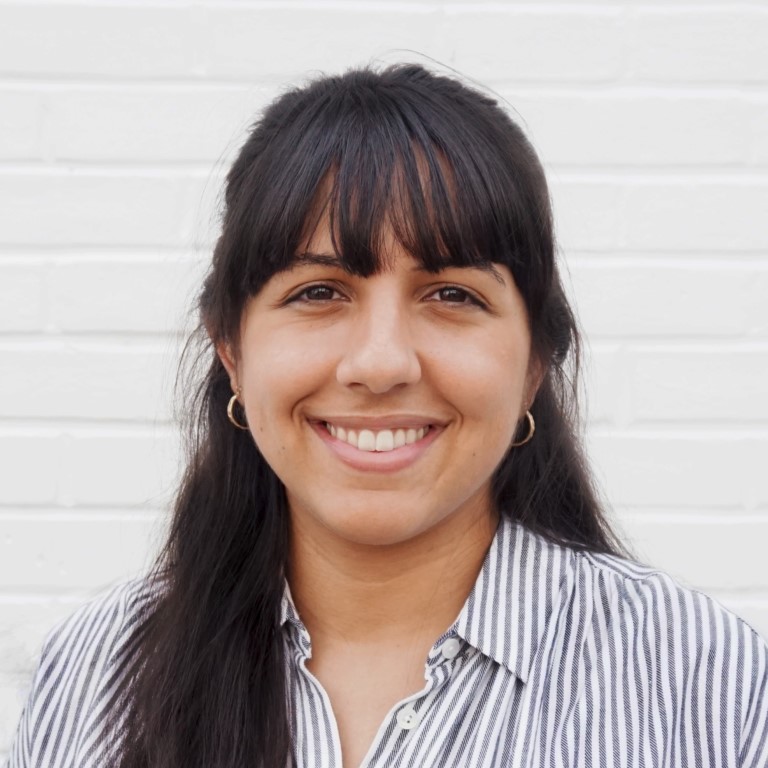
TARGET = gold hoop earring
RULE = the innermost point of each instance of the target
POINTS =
(231, 410)
(531, 430)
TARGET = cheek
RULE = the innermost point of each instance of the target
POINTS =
(486, 390)
(485, 377)
(276, 376)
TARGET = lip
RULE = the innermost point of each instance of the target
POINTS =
(403, 420)
(377, 461)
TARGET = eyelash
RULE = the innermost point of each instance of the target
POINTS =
(301, 296)
(473, 300)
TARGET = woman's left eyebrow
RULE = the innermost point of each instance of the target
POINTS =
(488, 267)
(323, 259)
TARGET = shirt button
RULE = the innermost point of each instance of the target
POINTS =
(450, 648)
(407, 718)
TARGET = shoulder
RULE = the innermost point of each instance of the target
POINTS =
(675, 650)
(656, 602)
(83, 662)
(100, 622)
(631, 651)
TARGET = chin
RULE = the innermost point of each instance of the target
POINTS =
(374, 527)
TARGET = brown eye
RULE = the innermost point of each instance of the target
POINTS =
(319, 293)
(452, 294)
(315, 293)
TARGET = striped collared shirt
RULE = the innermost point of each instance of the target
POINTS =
(558, 658)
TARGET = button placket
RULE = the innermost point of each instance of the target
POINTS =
(450, 648)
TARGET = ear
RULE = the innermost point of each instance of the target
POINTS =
(533, 378)
(228, 359)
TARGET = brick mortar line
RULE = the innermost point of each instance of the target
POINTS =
(630, 176)
(751, 91)
(83, 167)
(449, 7)
(490, 81)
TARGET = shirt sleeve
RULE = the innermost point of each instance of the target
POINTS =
(20, 755)
(66, 715)
(754, 742)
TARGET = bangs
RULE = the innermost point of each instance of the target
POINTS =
(378, 160)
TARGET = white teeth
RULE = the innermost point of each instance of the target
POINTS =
(385, 440)
(382, 440)
(366, 441)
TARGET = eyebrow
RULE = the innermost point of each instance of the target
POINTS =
(331, 260)
(325, 260)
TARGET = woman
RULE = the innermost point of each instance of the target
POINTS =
(386, 549)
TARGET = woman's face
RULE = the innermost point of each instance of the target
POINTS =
(384, 403)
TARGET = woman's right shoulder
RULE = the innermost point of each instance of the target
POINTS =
(84, 661)
(103, 620)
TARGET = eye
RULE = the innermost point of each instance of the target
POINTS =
(452, 294)
(315, 293)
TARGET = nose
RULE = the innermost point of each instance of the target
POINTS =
(380, 353)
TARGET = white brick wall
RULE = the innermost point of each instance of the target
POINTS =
(117, 120)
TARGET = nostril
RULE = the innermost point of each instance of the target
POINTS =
(379, 371)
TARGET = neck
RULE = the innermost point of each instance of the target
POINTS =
(356, 593)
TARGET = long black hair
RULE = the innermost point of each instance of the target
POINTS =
(455, 179)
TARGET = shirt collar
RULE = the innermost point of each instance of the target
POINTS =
(522, 585)
(523, 582)
(288, 612)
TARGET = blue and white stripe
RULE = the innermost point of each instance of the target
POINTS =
(564, 658)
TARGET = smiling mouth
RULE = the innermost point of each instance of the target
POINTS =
(380, 440)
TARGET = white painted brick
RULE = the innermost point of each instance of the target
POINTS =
(21, 124)
(706, 385)
(14, 688)
(588, 215)
(30, 468)
(160, 125)
(87, 380)
(759, 137)
(527, 45)
(107, 40)
(640, 128)
(670, 297)
(130, 295)
(639, 214)
(604, 370)
(93, 208)
(700, 45)
(688, 470)
(271, 41)
(662, 540)
(698, 214)
(22, 300)
(39, 551)
(715, 387)
(140, 469)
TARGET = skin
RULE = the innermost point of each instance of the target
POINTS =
(382, 561)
